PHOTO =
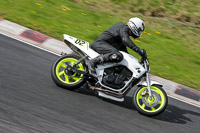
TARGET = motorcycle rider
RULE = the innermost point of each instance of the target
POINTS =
(115, 39)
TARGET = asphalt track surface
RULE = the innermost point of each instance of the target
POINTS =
(31, 103)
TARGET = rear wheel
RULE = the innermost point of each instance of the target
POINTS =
(66, 78)
(150, 107)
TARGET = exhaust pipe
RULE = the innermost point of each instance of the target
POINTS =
(101, 94)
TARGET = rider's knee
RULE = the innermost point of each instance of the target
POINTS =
(116, 57)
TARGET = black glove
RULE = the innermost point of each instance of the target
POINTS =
(143, 53)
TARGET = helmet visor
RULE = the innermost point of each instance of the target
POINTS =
(140, 33)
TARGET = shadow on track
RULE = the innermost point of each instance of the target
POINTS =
(128, 103)
(172, 113)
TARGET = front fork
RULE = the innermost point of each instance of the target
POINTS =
(148, 85)
(148, 81)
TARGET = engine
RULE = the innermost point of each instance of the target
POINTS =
(115, 77)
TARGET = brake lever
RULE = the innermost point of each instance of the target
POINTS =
(143, 59)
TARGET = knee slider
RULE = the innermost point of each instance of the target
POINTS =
(116, 57)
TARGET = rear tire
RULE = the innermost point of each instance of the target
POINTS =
(60, 77)
(152, 107)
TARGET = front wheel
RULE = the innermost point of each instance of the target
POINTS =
(64, 77)
(150, 106)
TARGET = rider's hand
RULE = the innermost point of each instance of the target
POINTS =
(143, 53)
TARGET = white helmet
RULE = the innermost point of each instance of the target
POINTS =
(137, 26)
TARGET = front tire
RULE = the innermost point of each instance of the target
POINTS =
(147, 106)
(61, 76)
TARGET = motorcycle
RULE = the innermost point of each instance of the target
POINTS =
(112, 80)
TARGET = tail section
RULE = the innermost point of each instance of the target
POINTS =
(81, 45)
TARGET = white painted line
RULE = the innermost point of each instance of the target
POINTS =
(29, 43)
(60, 55)
(183, 101)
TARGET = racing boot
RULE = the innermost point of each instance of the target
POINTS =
(109, 57)
(92, 63)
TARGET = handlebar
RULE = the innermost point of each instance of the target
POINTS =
(143, 59)
(145, 63)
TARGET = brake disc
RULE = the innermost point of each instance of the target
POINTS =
(155, 99)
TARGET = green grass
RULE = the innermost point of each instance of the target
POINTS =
(172, 28)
